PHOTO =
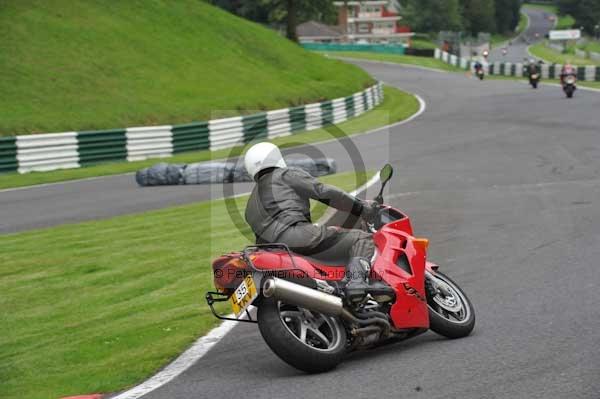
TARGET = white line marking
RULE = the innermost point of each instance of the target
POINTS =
(63, 182)
(422, 108)
(179, 365)
(391, 63)
(202, 345)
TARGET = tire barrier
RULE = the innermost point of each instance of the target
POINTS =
(163, 174)
(548, 71)
(44, 152)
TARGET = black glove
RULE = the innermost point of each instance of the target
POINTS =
(370, 210)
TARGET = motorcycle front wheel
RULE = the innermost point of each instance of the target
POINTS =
(451, 313)
(306, 340)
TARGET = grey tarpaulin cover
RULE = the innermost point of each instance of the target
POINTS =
(163, 174)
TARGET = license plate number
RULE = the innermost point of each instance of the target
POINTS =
(243, 296)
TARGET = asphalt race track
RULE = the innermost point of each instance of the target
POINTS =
(505, 181)
(539, 25)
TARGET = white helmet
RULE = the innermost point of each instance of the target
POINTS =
(262, 156)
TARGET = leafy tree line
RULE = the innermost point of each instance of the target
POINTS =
(281, 13)
(473, 16)
(585, 12)
(493, 16)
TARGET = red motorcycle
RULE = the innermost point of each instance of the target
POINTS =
(302, 314)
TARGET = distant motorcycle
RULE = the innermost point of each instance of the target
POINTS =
(569, 85)
(534, 79)
(479, 71)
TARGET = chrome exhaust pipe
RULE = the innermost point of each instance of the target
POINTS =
(304, 297)
(327, 304)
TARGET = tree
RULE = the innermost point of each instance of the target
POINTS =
(431, 15)
(585, 12)
(478, 16)
(507, 14)
(279, 13)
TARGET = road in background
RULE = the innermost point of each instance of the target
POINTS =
(509, 196)
(539, 25)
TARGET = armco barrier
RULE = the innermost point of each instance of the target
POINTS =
(548, 71)
(43, 152)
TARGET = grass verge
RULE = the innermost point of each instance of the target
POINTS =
(98, 64)
(99, 306)
(423, 43)
(397, 106)
(540, 50)
(427, 62)
(591, 45)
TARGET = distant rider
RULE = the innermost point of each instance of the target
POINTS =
(567, 70)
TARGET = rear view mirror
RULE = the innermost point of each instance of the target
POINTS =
(385, 174)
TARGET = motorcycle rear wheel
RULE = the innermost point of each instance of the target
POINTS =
(451, 313)
(306, 340)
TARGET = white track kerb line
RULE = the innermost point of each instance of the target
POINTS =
(179, 365)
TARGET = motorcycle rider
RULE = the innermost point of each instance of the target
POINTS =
(566, 70)
(532, 68)
(278, 211)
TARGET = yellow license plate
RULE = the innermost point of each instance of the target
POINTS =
(243, 296)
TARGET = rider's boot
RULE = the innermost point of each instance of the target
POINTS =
(356, 272)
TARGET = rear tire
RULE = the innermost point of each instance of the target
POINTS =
(284, 337)
(444, 321)
(534, 84)
(569, 92)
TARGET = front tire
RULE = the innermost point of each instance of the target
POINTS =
(308, 341)
(451, 313)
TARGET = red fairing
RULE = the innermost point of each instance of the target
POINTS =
(401, 263)
(410, 309)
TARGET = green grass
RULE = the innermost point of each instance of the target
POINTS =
(550, 55)
(100, 64)
(397, 106)
(423, 44)
(591, 45)
(399, 59)
(100, 306)
(594, 85)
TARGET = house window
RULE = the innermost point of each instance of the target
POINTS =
(363, 28)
